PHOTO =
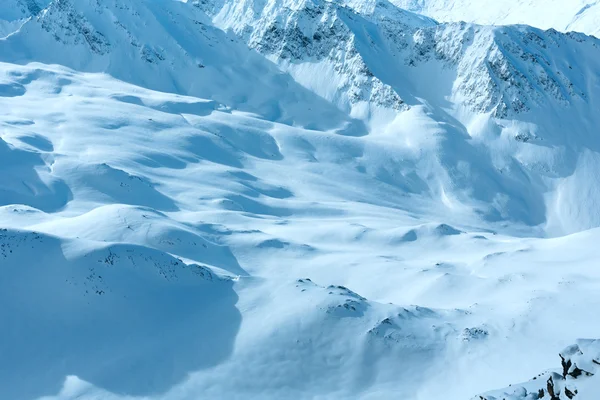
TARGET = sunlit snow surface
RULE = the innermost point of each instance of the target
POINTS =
(260, 242)
(569, 15)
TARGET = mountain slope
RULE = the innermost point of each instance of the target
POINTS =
(493, 69)
(503, 95)
(144, 208)
(166, 46)
(292, 199)
(15, 13)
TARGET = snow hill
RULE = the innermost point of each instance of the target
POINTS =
(294, 199)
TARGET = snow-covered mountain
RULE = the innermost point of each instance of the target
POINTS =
(294, 199)
(573, 15)
(380, 51)
(495, 90)
(16, 12)
(163, 45)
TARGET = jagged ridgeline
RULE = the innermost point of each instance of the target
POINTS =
(362, 56)
(374, 52)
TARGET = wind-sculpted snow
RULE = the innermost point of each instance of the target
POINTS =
(218, 213)
(294, 199)
(107, 314)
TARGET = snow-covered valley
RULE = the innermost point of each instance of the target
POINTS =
(294, 199)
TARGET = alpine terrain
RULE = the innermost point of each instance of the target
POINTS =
(299, 199)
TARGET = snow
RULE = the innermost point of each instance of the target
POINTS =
(360, 202)
(572, 15)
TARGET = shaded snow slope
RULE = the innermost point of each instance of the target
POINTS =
(15, 13)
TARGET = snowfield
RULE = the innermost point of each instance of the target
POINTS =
(571, 15)
(295, 200)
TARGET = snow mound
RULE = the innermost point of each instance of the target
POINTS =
(70, 290)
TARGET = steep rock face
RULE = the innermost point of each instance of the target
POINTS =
(320, 33)
(505, 70)
(502, 70)
(71, 28)
(14, 13)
